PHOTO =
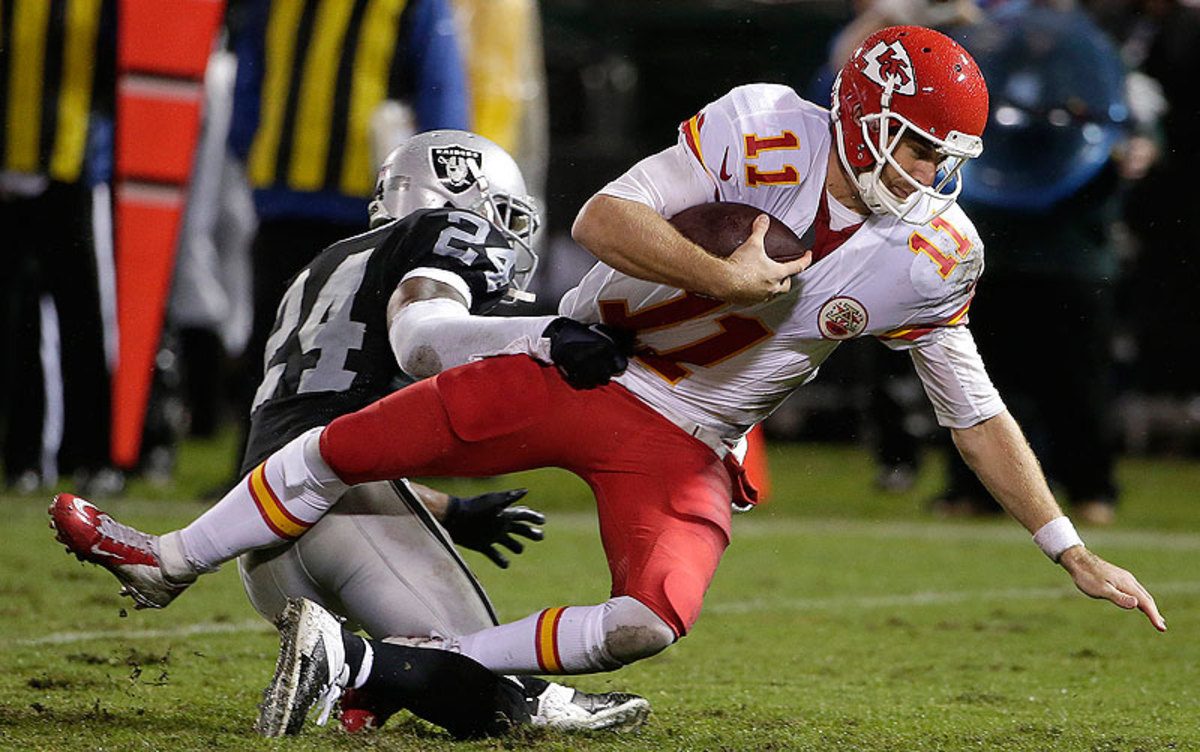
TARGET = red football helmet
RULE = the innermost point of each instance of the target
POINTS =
(906, 78)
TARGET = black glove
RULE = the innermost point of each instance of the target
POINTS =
(480, 522)
(588, 355)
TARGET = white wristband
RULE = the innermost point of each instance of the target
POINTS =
(1056, 536)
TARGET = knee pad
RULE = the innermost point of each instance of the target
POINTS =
(632, 631)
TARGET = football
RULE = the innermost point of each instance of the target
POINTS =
(722, 226)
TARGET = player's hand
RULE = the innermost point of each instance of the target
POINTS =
(481, 522)
(588, 355)
(755, 276)
(1099, 579)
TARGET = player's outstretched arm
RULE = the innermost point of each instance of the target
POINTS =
(999, 454)
(431, 329)
(633, 238)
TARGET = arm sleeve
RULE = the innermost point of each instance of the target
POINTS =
(667, 182)
(441, 98)
(430, 336)
(955, 379)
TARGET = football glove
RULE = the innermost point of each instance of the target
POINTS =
(481, 522)
(588, 355)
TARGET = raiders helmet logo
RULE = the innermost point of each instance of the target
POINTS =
(842, 318)
(456, 166)
(890, 62)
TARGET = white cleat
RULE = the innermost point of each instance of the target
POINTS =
(565, 709)
(311, 669)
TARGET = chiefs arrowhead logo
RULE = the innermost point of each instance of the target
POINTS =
(890, 62)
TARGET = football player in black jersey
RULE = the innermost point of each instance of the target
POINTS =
(451, 238)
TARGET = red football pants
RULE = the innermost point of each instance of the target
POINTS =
(662, 496)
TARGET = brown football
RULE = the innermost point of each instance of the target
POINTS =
(720, 227)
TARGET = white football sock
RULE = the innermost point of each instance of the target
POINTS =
(277, 502)
(559, 640)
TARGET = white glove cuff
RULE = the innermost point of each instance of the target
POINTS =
(1056, 536)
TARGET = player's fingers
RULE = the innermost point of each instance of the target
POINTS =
(528, 531)
(1145, 602)
(497, 558)
(514, 494)
(511, 543)
(525, 514)
(758, 231)
(1117, 596)
(1148, 607)
(795, 266)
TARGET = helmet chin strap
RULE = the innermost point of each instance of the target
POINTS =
(866, 183)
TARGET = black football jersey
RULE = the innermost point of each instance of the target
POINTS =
(328, 353)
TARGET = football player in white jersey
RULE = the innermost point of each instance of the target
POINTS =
(451, 234)
(721, 342)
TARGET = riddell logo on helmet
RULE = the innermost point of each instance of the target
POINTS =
(453, 166)
(890, 62)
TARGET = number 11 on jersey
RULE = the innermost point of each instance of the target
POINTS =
(736, 333)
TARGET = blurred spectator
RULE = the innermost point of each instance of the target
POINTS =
(1045, 196)
(502, 43)
(210, 306)
(320, 84)
(502, 51)
(57, 95)
(1161, 39)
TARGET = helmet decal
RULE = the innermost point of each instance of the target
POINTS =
(886, 63)
(456, 166)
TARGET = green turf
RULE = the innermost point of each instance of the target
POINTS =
(841, 619)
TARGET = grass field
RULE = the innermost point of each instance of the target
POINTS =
(841, 619)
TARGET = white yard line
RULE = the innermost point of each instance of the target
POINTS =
(834, 603)
(756, 525)
(749, 526)
(185, 630)
(922, 598)
(1000, 531)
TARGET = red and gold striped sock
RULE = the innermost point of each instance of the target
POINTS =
(277, 502)
(559, 640)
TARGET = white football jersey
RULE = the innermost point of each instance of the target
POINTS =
(726, 367)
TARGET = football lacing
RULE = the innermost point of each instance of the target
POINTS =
(330, 694)
(125, 535)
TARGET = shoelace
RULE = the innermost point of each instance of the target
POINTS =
(126, 535)
(330, 694)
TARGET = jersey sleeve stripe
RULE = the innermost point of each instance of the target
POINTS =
(913, 333)
(690, 129)
(274, 514)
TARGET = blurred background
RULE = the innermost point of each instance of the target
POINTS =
(168, 164)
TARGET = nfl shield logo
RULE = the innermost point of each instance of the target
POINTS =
(456, 166)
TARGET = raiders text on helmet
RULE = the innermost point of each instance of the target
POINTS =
(463, 170)
(908, 79)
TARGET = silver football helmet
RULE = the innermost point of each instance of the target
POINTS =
(464, 170)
